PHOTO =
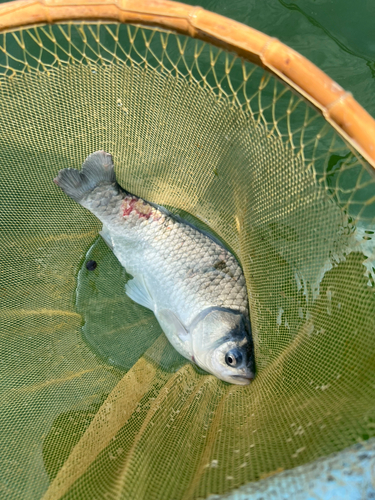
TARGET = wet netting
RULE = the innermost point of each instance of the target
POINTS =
(95, 403)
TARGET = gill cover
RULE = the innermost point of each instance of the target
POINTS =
(222, 344)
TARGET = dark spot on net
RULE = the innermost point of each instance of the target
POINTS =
(330, 478)
(91, 265)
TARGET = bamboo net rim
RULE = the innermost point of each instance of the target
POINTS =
(337, 106)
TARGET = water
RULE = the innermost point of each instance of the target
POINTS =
(336, 35)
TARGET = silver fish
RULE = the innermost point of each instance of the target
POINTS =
(194, 286)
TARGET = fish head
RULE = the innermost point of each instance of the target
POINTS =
(222, 345)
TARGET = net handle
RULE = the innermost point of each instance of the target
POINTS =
(337, 106)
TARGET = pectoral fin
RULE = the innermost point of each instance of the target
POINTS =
(137, 290)
(171, 324)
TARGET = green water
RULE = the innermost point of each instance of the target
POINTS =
(336, 35)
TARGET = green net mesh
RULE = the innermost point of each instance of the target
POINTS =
(94, 401)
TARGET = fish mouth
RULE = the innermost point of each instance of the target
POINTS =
(242, 380)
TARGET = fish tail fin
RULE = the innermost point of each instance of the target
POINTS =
(96, 169)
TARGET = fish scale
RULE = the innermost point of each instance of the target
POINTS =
(179, 272)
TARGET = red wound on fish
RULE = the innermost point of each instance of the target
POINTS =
(136, 205)
(127, 206)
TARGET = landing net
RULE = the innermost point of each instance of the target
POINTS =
(95, 402)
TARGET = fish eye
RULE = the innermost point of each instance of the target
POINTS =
(233, 358)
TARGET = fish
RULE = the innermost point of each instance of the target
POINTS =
(191, 282)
